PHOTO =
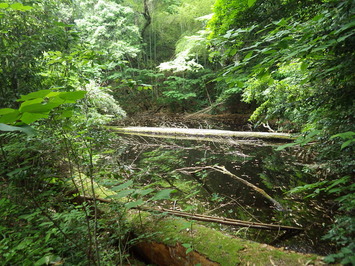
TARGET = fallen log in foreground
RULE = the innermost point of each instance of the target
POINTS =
(207, 218)
(222, 220)
(212, 133)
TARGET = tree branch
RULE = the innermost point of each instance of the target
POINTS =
(223, 170)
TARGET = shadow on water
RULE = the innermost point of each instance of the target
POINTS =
(214, 193)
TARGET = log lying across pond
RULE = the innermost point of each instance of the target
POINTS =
(196, 132)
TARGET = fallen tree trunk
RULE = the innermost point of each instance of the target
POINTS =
(222, 220)
(198, 240)
(208, 218)
(212, 133)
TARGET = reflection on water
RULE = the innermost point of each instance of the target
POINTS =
(156, 160)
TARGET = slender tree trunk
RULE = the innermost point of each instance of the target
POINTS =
(147, 16)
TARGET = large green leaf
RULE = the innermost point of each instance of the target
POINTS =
(163, 194)
(144, 192)
(34, 95)
(4, 5)
(29, 118)
(20, 7)
(72, 95)
(30, 103)
(5, 111)
(134, 204)
(26, 129)
(344, 135)
(122, 186)
(39, 108)
(10, 117)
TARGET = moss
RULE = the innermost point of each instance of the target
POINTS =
(215, 245)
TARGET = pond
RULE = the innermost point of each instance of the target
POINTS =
(184, 166)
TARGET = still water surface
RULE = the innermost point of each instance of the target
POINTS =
(210, 192)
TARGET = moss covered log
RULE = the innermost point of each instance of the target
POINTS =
(185, 243)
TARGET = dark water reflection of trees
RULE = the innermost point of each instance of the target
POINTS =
(209, 192)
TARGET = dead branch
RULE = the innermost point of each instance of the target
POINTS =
(223, 170)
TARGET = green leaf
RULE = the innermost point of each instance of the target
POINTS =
(4, 5)
(20, 7)
(48, 260)
(10, 117)
(123, 193)
(34, 95)
(30, 102)
(345, 135)
(336, 182)
(304, 67)
(72, 95)
(282, 147)
(248, 56)
(251, 2)
(57, 100)
(144, 191)
(52, 94)
(29, 118)
(25, 129)
(39, 107)
(66, 114)
(5, 111)
(281, 22)
(347, 143)
(134, 204)
(163, 194)
(123, 186)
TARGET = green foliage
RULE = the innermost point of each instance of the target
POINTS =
(62, 98)
(294, 59)
(36, 106)
(225, 15)
(164, 23)
(342, 231)
(302, 77)
(25, 33)
(108, 28)
(31, 205)
(348, 136)
(150, 89)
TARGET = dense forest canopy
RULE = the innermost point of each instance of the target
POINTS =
(68, 68)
